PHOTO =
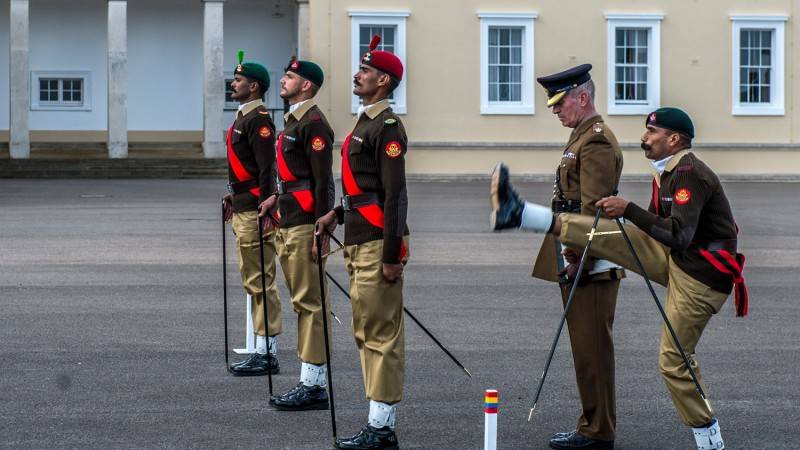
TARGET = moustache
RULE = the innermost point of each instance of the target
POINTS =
(355, 82)
(646, 147)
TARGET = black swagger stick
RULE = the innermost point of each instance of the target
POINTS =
(225, 290)
(321, 271)
(566, 310)
(663, 313)
(264, 299)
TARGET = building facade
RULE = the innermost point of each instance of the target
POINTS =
(120, 71)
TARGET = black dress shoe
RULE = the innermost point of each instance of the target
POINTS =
(507, 206)
(370, 438)
(258, 364)
(301, 398)
(567, 441)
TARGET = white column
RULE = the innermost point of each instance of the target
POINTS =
(303, 30)
(117, 79)
(213, 80)
(19, 80)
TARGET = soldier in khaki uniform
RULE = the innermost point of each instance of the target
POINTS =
(686, 240)
(374, 211)
(590, 168)
(305, 193)
(251, 157)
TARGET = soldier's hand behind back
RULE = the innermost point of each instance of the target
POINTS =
(392, 272)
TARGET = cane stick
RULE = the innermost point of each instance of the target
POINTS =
(571, 296)
(225, 290)
(663, 313)
(321, 270)
(264, 299)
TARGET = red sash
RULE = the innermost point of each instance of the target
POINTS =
(724, 262)
(372, 213)
(655, 196)
(239, 171)
(304, 197)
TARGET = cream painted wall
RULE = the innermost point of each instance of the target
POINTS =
(444, 79)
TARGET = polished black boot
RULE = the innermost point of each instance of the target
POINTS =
(507, 207)
(572, 440)
(301, 398)
(369, 438)
(258, 364)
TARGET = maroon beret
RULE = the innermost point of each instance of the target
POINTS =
(384, 61)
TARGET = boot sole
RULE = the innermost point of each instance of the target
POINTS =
(396, 447)
(313, 407)
(596, 446)
(255, 374)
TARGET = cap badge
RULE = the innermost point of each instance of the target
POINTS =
(367, 57)
(652, 117)
(295, 65)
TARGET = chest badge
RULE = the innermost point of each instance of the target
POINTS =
(598, 128)
(682, 196)
(317, 144)
(264, 132)
(393, 149)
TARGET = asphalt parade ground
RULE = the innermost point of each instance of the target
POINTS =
(111, 328)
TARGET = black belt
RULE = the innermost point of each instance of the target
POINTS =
(287, 187)
(351, 202)
(242, 187)
(568, 206)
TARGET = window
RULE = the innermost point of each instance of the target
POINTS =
(230, 103)
(391, 27)
(634, 63)
(507, 63)
(60, 90)
(758, 62)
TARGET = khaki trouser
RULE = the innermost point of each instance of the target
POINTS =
(689, 305)
(590, 321)
(302, 279)
(245, 227)
(377, 322)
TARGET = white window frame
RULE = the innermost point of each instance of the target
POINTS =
(777, 93)
(393, 18)
(525, 20)
(84, 75)
(653, 23)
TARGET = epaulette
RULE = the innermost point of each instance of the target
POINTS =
(315, 116)
(390, 121)
(263, 112)
(684, 168)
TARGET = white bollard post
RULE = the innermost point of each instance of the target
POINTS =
(250, 334)
(490, 402)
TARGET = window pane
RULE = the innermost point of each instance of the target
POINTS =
(42, 84)
(53, 96)
(619, 38)
(504, 94)
(387, 37)
(364, 35)
(642, 38)
(744, 57)
(67, 96)
(620, 55)
(516, 75)
(619, 93)
(765, 76)
(744, 38)
(743, 94)
(494, 55)
(766, 57)
(494, 34)
(492, 92)
(505, 75)
(504, 55)
(516, 36)
(516, 55)
(53, 85)
(641, 74)
(43, 96)
(641, 91)
(620, 74)
(494, 74)
(641, 55)
(516, 93)
(765, 94)
(504, 38)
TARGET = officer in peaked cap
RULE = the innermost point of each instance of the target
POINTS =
(590, 168)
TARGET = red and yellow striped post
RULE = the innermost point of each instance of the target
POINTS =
(490, 403)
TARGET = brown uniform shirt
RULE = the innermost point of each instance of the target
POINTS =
(689, 212)
(590, 168)
(252, 138)
(307, 147)
(377, 150)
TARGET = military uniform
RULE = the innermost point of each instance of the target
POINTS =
(251, 156)
(374, 211)
(590, 168)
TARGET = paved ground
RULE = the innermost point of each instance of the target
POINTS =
(111, 328)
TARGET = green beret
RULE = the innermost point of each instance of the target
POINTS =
(251, 70)
(672, 119)
(308, 70)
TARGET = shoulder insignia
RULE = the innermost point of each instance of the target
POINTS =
(318, 144)
(598, 128)
(390, 121)
(684, 168)
(264, 112)
(682, 196)
(393, 149)
(315, 116)
(264, 132)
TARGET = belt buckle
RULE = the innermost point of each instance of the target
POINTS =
(346, 205)
(281, 187)
(229, 186)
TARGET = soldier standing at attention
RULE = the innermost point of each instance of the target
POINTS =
(590, 168)
(305, 193)
(251, 159)
(374, 210)
(686, 240)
